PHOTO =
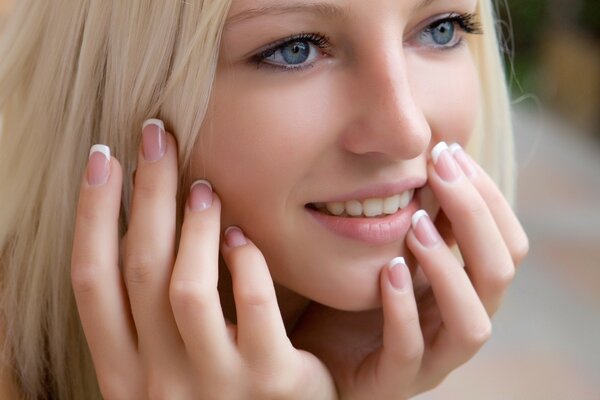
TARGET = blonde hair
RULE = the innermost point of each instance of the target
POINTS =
(78, 73)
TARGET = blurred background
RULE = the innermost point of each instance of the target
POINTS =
(546, 339)
(546, 336)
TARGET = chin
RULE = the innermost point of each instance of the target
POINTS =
(344, 284)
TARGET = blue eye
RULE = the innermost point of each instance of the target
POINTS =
(294, 53)
(443, 33)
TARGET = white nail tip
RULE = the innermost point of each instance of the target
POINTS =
(454, 148)
(100, 148)
(154, 121)
(396, 261)
(437, 150)
(202, 182)
(417, 216)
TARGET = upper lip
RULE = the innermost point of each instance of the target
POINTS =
(380, 190)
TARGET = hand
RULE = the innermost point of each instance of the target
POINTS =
(156, 330)
(421, 335)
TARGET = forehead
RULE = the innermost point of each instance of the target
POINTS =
(242, 8)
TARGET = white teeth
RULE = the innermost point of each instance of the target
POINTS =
(373, 207)
(391, 204)
(354, 208)
(336, 208)
(405, 198)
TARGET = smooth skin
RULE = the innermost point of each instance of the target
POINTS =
(367, 112)
(429, 332)
(157, 329)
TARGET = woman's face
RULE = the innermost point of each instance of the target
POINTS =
(338, 119)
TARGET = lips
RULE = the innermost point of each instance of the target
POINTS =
(373, 207)
(366, 219)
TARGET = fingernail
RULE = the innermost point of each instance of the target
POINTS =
(98, 165)
(424, 229)
(154, 140)
(234, 237)
(201, 195)
(444, 163)
(398, 274)
(463, 160)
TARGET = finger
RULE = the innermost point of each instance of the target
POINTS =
(95, 275)
(466, 324)
(150, 244)
(261, 332)
(482, 246)
(403, 344)
(193, 292)
(511, 229)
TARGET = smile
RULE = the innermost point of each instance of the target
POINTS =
(373, 221)
(369, 208)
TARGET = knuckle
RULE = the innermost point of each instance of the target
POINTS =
(473, 206)
(186, 294)
(410, 354)
(505, 277)
(276, 386)
(255, 297)
(147, 188)
(498, 280)
(520, 250)
(478, 336)
(84, 277)
(89, 214)
(138, 269)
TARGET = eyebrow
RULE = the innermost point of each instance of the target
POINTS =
(322, 9)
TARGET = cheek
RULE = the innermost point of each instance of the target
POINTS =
(259, 139)
(448, 94)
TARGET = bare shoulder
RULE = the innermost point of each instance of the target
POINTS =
(8, 386)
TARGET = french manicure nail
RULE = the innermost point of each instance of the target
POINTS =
(398, 274)
(444, 163)
(424, 229)
(154, 140)
(235, 237)
(201, 195)
(98, 165)
(463, 160)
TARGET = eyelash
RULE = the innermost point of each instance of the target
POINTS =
(466, 21)
(320, 40)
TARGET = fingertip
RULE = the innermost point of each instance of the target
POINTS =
(234, 237)
(398, 274)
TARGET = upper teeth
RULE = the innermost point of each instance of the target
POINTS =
(370, 207)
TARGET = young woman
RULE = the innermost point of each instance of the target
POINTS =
(252, 240)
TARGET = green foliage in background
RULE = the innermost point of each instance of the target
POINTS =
(531, 19)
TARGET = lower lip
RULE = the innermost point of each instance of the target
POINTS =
(373, 231)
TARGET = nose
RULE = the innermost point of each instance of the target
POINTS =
(387, 120)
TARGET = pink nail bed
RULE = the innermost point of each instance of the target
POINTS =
(201, 195)
(235, 237)
(444, 163)
(398, 273)
(154, 141)
(463, 160)
(98, 165)
(425, 231)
